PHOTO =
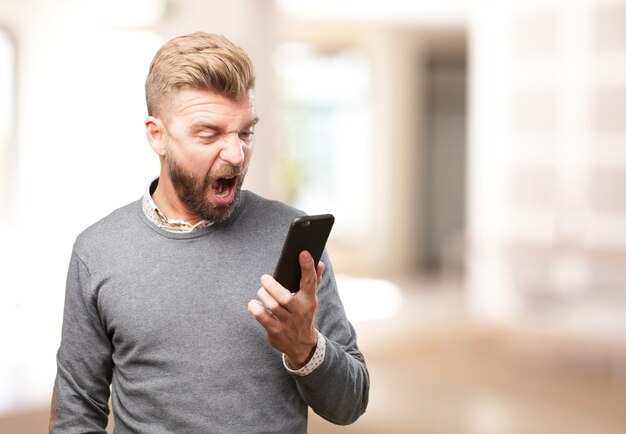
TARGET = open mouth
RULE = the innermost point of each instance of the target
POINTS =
(224, 187)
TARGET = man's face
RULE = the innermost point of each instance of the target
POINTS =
(209, 140)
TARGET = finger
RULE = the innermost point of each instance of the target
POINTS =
(260, 313)
(320, 271)
(308, 282)
(271, 303)
(282, 295)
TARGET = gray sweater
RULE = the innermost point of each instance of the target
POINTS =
(162, 318)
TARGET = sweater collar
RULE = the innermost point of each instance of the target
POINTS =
(160, 220)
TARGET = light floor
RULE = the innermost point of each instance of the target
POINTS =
(435, 371)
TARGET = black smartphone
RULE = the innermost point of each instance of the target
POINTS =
(308, 233)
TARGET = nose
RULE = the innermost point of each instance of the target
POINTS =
(232, 151)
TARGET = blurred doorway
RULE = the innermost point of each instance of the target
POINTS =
(445, 153)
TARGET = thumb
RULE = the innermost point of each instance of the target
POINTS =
(308, 282)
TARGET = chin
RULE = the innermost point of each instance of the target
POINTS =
(218, 213)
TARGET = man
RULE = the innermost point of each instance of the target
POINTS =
(155, 310)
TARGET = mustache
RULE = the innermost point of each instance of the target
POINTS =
(226, 172)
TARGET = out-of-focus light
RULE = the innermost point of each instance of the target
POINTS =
(344, 76)
(366, 299)
(117, 13)
(445, 12)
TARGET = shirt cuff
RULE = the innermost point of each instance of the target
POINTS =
(316, 360)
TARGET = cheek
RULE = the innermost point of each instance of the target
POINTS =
(205, 160)
(247, 151)
(197, 162)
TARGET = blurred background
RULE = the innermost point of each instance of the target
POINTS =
(473, 153)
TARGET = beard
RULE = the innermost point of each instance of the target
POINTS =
(194, 192)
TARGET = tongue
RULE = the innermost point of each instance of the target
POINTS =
(221, 187)
(217, 186)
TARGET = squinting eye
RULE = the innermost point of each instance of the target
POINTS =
(246, 135)
(208, 138)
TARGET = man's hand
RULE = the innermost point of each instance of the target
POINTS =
(288, 318)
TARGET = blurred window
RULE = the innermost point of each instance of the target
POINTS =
(325, 133)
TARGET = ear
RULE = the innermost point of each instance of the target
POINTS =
(156, 134)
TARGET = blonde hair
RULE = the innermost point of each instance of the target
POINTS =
(198, 60)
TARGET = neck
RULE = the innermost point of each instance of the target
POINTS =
(167, 200)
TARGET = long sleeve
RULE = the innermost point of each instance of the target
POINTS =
(157, 322)
(338, 389)
(84, 362)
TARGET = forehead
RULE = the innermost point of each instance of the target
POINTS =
(191, 103)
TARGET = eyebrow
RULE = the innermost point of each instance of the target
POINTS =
(253, 122)
(208, 126)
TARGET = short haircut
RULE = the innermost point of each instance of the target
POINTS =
(198, 61)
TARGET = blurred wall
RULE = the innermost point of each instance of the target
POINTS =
(547, 225)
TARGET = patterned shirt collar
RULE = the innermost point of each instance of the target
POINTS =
(156, 216)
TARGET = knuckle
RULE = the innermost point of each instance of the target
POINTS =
(270, 288)
(288, 301)
(275, 329)
(272, 304)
